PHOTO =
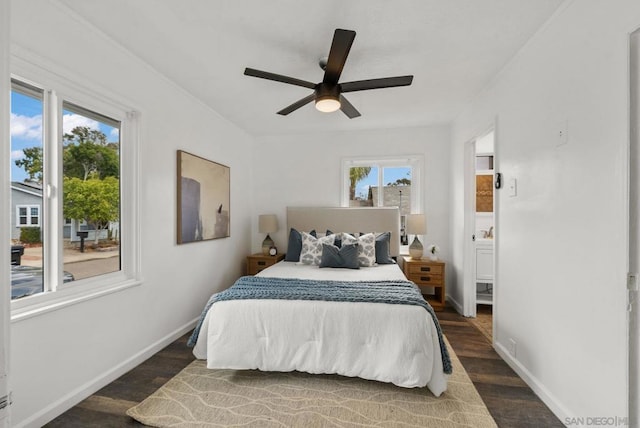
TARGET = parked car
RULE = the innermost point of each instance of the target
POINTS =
(27, 280)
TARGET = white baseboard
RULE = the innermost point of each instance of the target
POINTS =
(66, 402)
(457, 306)
(543, 393)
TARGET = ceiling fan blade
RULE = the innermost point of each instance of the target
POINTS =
(340, 47)
(348, 108)
(278, 78)
(295, 106)
(385, 82)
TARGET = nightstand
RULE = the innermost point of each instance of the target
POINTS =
(427, 273)
(257, 262)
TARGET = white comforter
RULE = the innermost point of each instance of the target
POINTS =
(384, 342)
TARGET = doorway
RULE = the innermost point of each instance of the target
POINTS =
(480, 231)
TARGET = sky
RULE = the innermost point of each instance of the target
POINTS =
(391, 174)
(26, 128)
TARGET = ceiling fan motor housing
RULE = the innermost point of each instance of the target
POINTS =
(327, 97)
(326, 91)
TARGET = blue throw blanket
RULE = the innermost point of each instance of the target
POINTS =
(390, 292)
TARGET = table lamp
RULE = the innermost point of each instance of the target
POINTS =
(267, 223)
(416, 225)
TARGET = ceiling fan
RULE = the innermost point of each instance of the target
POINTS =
(328, 93)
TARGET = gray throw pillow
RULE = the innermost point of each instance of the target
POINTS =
(295, 245)
(383, 249)
(343, 257)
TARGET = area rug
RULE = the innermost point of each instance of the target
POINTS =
(201, 397)
(484, 323)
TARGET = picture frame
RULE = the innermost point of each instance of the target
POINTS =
(203, 202)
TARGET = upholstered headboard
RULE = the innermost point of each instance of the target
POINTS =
(341, 219)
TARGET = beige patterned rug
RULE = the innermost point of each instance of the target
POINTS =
(484, 322)
(201, 397)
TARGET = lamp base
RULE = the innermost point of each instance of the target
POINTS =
(415, 249)
(266, 244)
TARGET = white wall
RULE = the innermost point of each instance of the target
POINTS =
(299, 170)
(562, 241)
(59, 356)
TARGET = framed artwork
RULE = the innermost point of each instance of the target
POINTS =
(203, 199)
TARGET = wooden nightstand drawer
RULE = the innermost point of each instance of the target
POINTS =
(255, 266)
(423, 268)
(259, 262)
(426, 279)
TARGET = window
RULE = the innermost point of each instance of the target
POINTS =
(392, 182)
(26, 127)
(28, 215)
(91, 189)
(69, 165)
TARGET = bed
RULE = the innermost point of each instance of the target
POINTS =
(387, 342)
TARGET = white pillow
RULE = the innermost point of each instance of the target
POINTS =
(366, 247)
(311, 253)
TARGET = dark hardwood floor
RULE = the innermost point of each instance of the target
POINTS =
(511, 402)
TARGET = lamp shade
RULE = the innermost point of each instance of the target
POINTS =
(416, 224)
(268, 223)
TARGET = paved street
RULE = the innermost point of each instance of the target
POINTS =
(81, 265)
(92, 267)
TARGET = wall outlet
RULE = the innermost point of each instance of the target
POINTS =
(562, 132)
(512, 347)
(512, 187)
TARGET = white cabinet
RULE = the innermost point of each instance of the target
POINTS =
(484, 271)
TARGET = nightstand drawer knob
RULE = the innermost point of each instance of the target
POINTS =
(261, 263)
(425, 269)
(425, 278)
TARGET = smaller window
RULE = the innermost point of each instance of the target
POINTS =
(384, 182)
(28, 215)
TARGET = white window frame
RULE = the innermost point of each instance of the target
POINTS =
(29, 216)
(416, 162)
(61, 85)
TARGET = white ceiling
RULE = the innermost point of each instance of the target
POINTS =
(452, 47)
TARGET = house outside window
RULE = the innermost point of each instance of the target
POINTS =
(384, 182)
(28, 215)
(74, 159)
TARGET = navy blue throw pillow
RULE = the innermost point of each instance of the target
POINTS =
(383, 249)
(295, 245)
(344, 257)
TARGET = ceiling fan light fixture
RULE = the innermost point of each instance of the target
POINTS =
(327, 105)
(327, 94)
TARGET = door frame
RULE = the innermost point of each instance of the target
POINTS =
(5, 196)
(469, 260)
(469, 284)
(633, 343)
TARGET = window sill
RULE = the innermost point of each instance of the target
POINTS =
(43, 303)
